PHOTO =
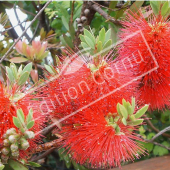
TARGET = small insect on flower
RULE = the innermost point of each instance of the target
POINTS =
(154, 87)
(104, 141)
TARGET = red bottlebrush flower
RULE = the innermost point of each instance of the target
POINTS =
(84, 83)
(7, 111)
(154, 87)
(98, 140)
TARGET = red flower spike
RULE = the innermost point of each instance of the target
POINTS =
(154, 88)
(92, 141)
(84, 84)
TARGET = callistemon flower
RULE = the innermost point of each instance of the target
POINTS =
(36, 52)
(7, 111)
(154, 87)
(103, 141)
(80, 84)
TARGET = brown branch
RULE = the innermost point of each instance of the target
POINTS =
(72, 12)
(154, 128)
(105, 15)
(48, 145)
(22, 28)
(5, 55)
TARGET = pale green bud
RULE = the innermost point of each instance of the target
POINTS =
(5, 150)
(29, 134)
(6, 142)
(15, 154)
(14, 147)
(11, 131)
(13, 138)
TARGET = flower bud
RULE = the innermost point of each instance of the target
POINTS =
(11, 131)
(5, 136)
(29, 134)
(79, 25)
(13, 138)
(6, 142)
(83, 19)
(86, 11)
(15, 154)
(4, 157)
(5, 150)
(24, 144)
(78, 20)
(14, 147)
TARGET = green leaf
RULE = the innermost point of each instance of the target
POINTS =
(10, 74)
(124, 121)
(16, 122)
(102, 35)
(107, 35)
(27, 68)
(82, 38)
(164, 9)
(48, 68)
(129, 108)
(141, 112)
(68, 41)
(19, 71)
(65, 22)
(135, 122)
(18, 59)
(85, 46)
(21, 116)
(160, 151)
(91, 36)
(29, 116)
(136, 5)
(24, 77)
(107, 47)
(30, 124)
(14, 70)
(155, 6)
(150, 135)
(133, 105)
(34, 164)
(123, 111)
(148, 146)
(16, 165)
(2, 167)
(99, 46)
(89, 42)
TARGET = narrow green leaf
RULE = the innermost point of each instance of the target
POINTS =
(21, 116)
(133, 105)
(107, 45)
(14, 70)
(82, 38)
(30, 124)
(18, 59)
(16, 122)
(165, 8)
(68, 41)
(27, 68)
(16, 165)
(124, 121)
(90, 35)
(141, 112)
(10, 74)
(19, 71)
(34, 164)
(29, 116)
(107, 35)
(135, 122)
(48, 68)
(136, 5)
(89, 42)
(24, 77)
(65, 22)
(118, 110)
(99, 46)
(102, 35)
(155, 5)
(123, 111)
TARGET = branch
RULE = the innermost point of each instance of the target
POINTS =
(22, 28)
(25, 31)
(105, 15)
(48, 145)
(160, 133)
(154, 128)
(36, 29)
